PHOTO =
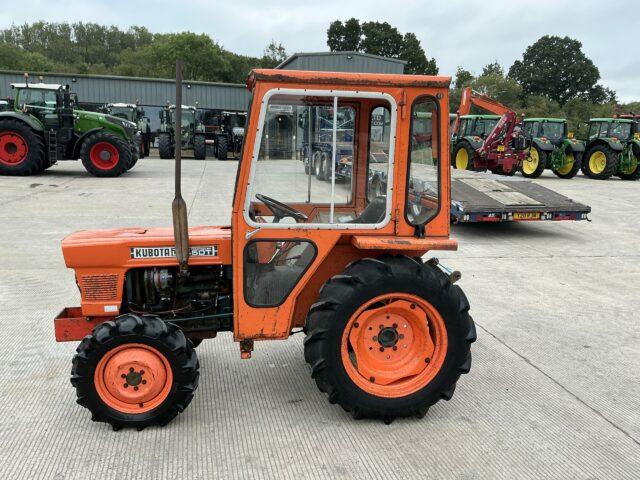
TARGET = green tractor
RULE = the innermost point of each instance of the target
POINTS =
(613, 148)
(43, 128)
(471, 134)
(134, 113)
(550, 145)
(192, 133)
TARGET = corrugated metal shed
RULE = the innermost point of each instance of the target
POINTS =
(343, 62)
(149, 91)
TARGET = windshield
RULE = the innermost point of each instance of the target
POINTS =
(620, 130)
(483, 126)
(38, 99)
(552, 130)
(122, 112)
(188, 118)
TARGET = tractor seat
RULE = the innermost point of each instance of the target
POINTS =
(374, 213)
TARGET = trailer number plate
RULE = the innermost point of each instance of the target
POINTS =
(170, 252)
(526, 216)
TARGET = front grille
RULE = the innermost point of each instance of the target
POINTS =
(99, 287)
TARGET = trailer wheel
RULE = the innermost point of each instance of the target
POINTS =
(21, 149)
(389, 338)
(199, 147)
(534, 163)
(462, 158)
(569, 170)
(632, 172)
(165, 149)
(104, 154)
(600, 162)
(135, 372)
(223, 148)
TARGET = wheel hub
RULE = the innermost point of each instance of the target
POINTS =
(13, 148)
(388, 337)
(133, 378)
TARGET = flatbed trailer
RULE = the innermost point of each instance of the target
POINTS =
(482, 197)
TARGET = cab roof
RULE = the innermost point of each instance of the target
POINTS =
(122, 105)
(38, 86)
(620, 120)
(346, 78)
(545, 119)
(483, 117)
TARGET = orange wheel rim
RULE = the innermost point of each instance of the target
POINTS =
(133, 378)
(394, 345)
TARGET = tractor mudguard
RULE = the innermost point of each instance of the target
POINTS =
(542, 145)
(475, 142)
(80, 140)
(616, 146)
(23, 117)
(577, 147)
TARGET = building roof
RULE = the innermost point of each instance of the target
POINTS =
(348, 53)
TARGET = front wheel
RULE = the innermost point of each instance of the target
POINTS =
(534, 163)
(104, 154)
(223, 148)
(135, 372)
(571, 166)
(389, 338)
(165, 148)
(631, 169)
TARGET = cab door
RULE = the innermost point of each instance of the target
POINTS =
(287, 218)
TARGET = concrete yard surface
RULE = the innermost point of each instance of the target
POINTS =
(553, 393)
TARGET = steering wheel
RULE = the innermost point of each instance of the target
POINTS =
(281, 210)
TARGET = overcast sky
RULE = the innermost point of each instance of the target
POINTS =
(456, 32)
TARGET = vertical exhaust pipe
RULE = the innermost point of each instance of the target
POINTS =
(179, 207)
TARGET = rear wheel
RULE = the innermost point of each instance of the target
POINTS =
(135, 372)
(165, 148)
(199, 147)
(223, 148)
(463, 156)
(571, 167)
(534, 163)
(389, 338)
(600, 162)
(104, 154)
(21, 149)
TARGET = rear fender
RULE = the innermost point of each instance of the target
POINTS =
(81, 139)
(576, 147)
(475, 142)
(31, 121)
(542, 145)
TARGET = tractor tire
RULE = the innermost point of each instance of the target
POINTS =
(571, 169)
(409, 328)
(199, 147)
(223, 148)
(633, 172)
(600, 162)
(376, 189)
(106, 381)
(22, 149)
(317, 164)
(134, 161)
(534, 164)
(104, 154)
(324, 168)
(165, 148)
(462, 157)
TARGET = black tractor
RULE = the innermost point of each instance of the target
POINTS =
(226, 130)
(192, 133)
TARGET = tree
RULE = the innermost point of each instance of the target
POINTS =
(555, 67)
(344, 37)
(493, 68)
(380, 38)
(463, 78)
(505, 90)
(417, 62)
(274, 54)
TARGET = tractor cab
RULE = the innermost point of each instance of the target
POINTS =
(388, 335)
(620, 129)
(476, 125)
(553, 130)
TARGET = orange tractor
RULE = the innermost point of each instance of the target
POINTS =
(387, 335)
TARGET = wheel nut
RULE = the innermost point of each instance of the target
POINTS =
(395, 325)
(413, 306)
(395, 348)
(123, 376)
(141, 372)
(135, 388)
(131, 369)
(372, 379)
(126, 385)
(144, 382)
(356, 325)
(427, 360)
(382, 349)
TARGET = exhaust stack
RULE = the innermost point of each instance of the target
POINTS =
(179, 207)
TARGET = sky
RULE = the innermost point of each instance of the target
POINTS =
(456, 32)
